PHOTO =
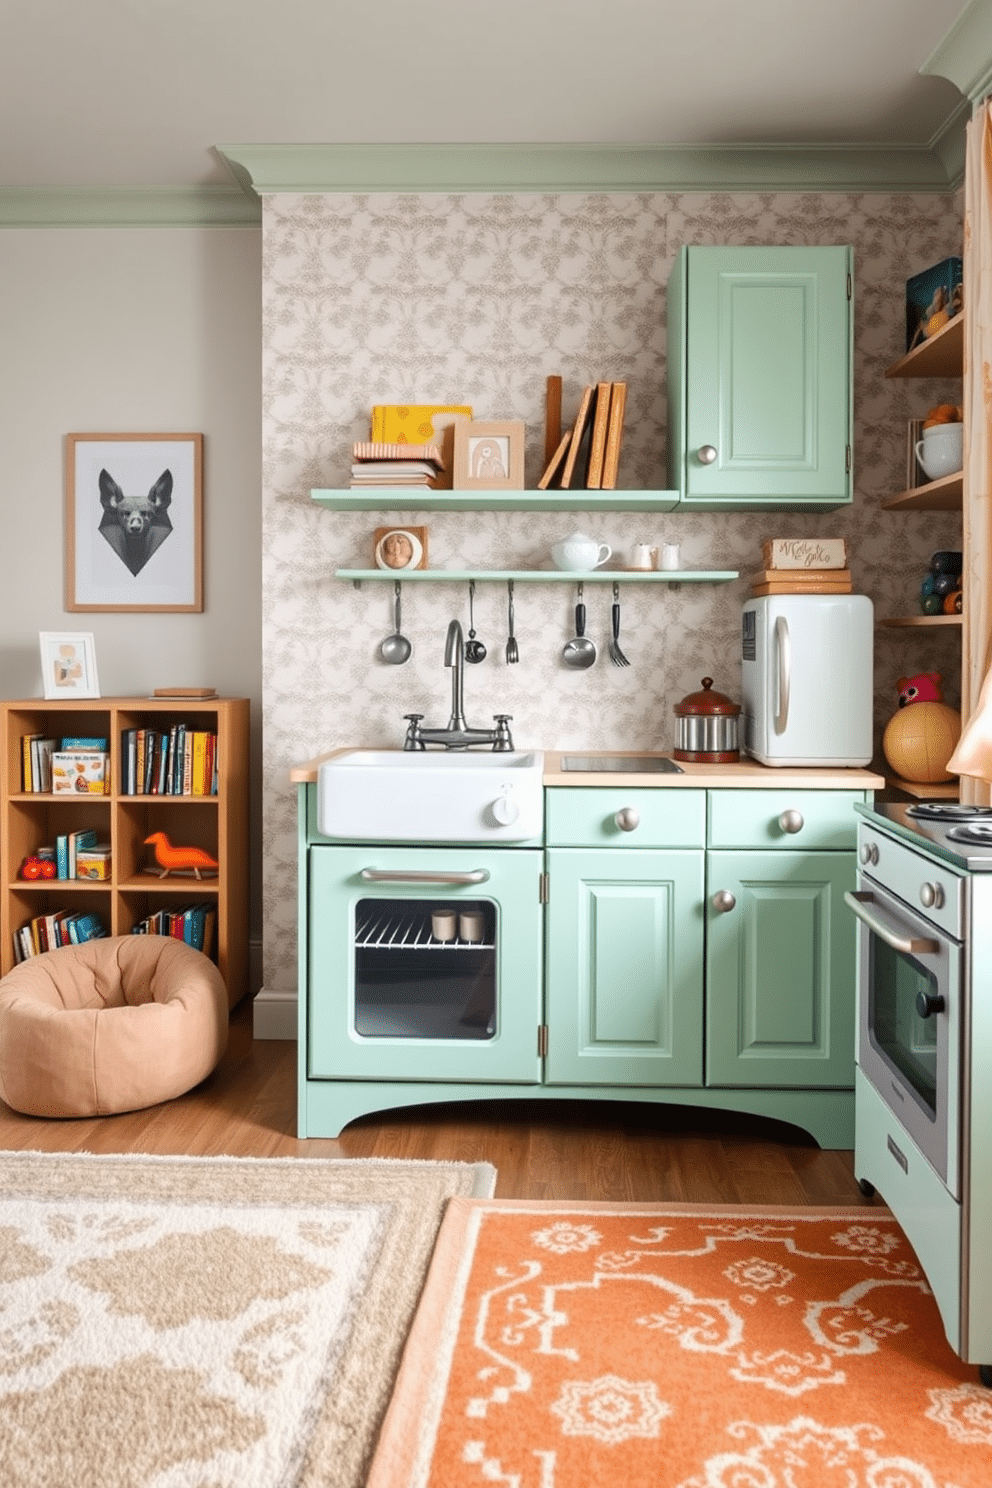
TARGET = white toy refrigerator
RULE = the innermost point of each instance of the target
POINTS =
(807, 679)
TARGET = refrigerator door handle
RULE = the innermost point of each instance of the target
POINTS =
(783, 655)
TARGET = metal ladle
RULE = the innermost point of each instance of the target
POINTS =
(474, 650)
(579, 651)
(395, 648)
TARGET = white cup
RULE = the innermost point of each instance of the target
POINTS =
(669, 557)
(444, 925)
(941, 450)
(644, 556)
(470, 925)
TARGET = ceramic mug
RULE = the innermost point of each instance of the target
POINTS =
(669, 557)
(644, 556)
(941, 450)
(580, 553)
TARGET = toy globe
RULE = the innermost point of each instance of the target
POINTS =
(918, 741)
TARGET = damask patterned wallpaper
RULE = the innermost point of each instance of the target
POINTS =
(476, 299)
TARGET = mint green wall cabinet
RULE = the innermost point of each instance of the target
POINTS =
(624, 975)
(780, 969)
(760, 356)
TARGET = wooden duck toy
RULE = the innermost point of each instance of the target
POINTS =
(181, 859)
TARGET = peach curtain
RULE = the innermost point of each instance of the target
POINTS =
(973, 757)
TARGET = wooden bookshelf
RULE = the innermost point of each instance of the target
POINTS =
(217, 823)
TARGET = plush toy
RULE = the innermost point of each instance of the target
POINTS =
(923, 688)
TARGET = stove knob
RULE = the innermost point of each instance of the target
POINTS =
(927, 1003)
(869, 853)
(505, 810)
(932, 896)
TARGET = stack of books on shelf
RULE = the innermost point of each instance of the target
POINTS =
(588, 454)
(193, 923)
(376, 463)
(49, 931)
(75, 851)
(69, 766)
(179, 762)
(803, 566)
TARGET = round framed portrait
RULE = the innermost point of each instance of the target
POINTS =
(398, 548)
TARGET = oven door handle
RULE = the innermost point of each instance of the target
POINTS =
(909, 944)
(415, 875)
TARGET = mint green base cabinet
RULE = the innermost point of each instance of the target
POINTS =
(624, 967)
(760, 356)
(780, 969)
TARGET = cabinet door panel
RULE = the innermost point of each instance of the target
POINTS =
(768, 358)
(624, 968)
(780, 1007)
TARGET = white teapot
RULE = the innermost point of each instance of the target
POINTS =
(579, 553)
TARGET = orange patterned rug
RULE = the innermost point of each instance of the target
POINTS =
(569, 1345)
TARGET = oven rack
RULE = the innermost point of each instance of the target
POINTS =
(407, 932)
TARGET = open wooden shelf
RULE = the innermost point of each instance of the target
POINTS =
(942, 355)
(217, 823)
(944, 791)
(922, 622)
(945, 494)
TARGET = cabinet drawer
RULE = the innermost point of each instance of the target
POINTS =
(588, 818)
(783, 818)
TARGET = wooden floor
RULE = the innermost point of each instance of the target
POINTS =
(541, 1150)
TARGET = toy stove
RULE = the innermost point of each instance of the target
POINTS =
(923, 1104)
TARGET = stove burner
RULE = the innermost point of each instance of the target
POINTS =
(949, 811)
(978, 832)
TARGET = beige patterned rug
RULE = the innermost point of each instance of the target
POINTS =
(205, 1322)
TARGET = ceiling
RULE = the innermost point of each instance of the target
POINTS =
(112, 97)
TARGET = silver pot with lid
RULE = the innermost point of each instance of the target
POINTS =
(707, 728)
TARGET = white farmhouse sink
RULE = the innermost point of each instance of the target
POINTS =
(394, 795)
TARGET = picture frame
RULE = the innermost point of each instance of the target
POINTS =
(488, 456)
(68, 664)
(134, 522)
(399, 548)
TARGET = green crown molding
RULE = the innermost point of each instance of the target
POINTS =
(153, 206)
(964, 55)
(598, 168)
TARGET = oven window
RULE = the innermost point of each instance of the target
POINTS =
(907, 1041)
(425, 968)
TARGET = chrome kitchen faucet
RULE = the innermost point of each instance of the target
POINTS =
(457, 735)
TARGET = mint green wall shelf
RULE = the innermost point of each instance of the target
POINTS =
(539, 576)
(405, 498)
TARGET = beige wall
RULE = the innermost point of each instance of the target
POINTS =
(133, 330)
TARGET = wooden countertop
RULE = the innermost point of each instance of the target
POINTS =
(747, 775)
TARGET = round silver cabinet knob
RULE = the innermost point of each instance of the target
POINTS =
(931, 896)
(706, 454)
(869, 853)
(791, 821)
(627, 819)
(724, 901)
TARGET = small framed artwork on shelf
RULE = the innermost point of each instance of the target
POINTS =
(68, 664)
(489, 456)
(400, 547)
(134, 522)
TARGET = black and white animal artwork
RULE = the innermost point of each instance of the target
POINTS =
(135, 526)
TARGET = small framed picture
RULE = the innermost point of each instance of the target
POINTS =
(489, 456)
(68, 664)
(134, 522)
(400, 547)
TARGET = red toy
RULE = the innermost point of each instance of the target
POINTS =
(923, 688)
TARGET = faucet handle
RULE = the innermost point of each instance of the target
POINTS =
(413, 739)
(503, 741)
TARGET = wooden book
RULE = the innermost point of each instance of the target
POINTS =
(578, 430)
(597, 440)
(614, 436)
(555, 463)
(552, 418)
(802, 576)
(824, 587)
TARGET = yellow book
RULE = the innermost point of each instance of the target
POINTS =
(199, 764)
(413, 423)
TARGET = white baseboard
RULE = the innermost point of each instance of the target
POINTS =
(274, 1015)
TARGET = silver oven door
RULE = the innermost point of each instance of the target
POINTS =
(909, 1016)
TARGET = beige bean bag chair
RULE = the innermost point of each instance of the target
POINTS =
(111, 1025)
